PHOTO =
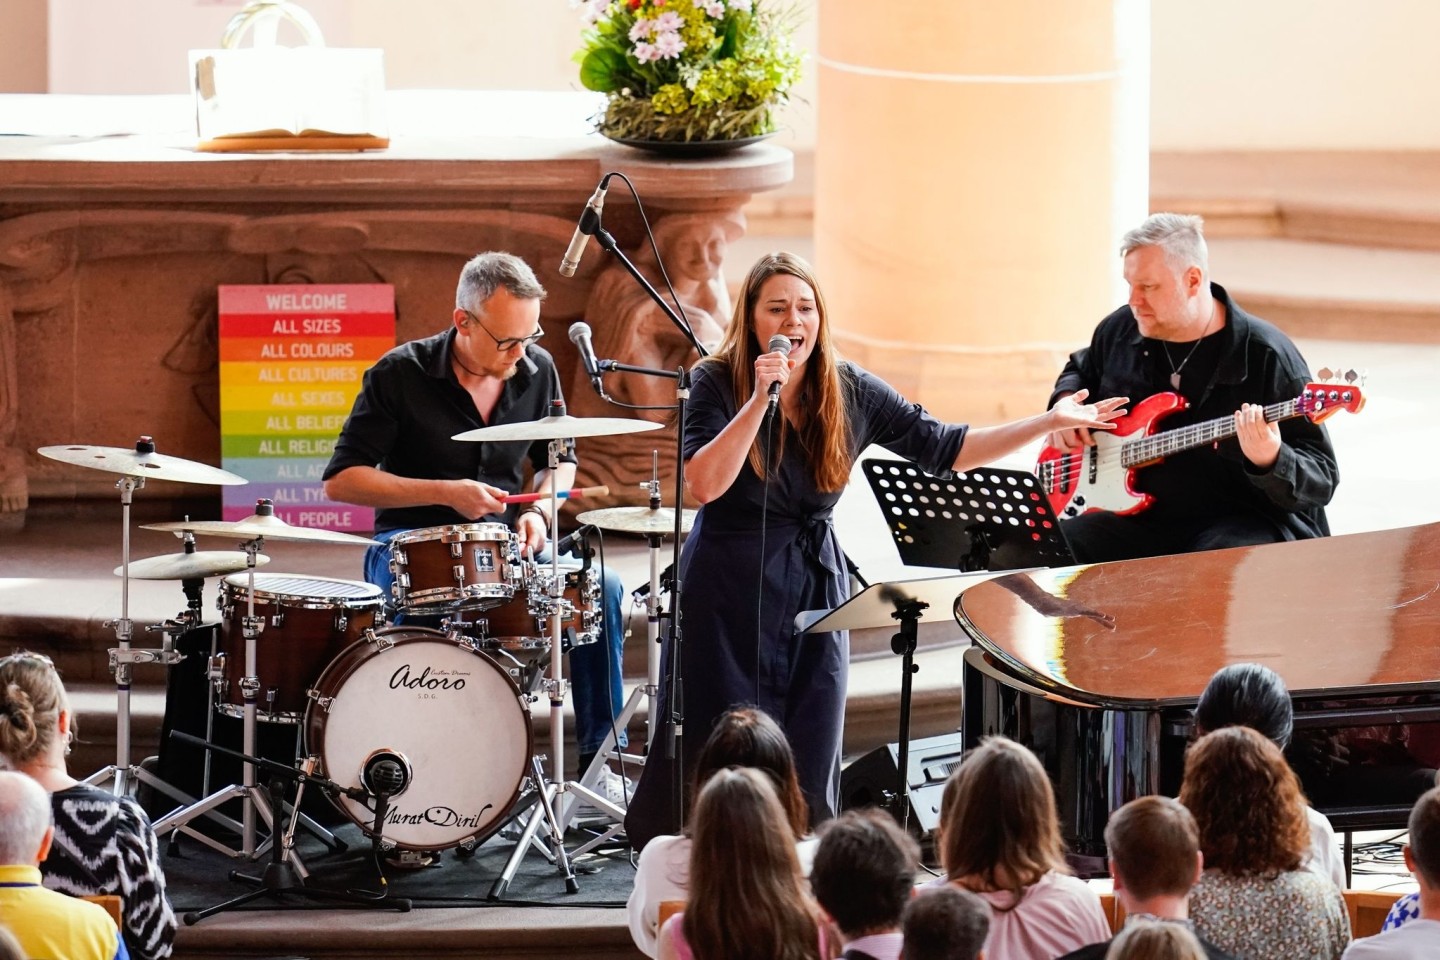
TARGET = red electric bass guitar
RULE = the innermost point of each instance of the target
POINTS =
(1102, 477)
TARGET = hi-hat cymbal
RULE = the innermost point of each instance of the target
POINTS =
(142, 461)
(190, 566)
(258, 525)
(638, 520)
(562, 427)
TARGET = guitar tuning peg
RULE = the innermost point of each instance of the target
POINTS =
(1325, 373)
(1351, 376)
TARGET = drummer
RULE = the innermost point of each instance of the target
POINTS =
(395, 453)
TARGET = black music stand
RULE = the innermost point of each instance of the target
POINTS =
(986, 519)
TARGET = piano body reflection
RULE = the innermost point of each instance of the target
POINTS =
(1097, 669)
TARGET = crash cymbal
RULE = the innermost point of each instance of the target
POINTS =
(638, 520)
(190, 566)
(262, 523)
(142, 461)
(563, 427)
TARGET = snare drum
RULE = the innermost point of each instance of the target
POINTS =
(521, 627)
(465, 564)
(451, 718)
(304, 622)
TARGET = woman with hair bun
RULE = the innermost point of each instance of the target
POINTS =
(103, 844)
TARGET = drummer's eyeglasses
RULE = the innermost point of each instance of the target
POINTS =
(509, 343)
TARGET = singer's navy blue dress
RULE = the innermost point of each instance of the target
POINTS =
(740, 595)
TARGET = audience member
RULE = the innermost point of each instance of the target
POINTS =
(1154, 860)
(1255, 899)
(946, 923)
(1155, 940)
(744, 737)
(1419, 937)
(1254, 696)
(104, 844)
(863, 877)
(748, 897)
(46, 923)
(999, 836)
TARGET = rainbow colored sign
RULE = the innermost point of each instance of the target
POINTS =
(291, 362)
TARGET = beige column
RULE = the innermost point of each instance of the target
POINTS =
(976, 163)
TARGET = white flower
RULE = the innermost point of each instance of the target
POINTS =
(668, 45)
(591, 11)
(645, 52)
(641, 30)
(713, 8)
(740, 5)
(668, 22)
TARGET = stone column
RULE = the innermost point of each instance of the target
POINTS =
(976, 165)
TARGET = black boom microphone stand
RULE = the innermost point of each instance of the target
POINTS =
(590, 226)
(282, 876)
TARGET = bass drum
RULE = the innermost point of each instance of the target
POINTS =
(449, 715)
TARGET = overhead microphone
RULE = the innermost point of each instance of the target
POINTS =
(778, 344)
(589, 223)
(580, 336)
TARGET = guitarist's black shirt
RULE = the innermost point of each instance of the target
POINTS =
(1246, 361)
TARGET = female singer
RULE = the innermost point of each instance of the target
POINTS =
(763, 547)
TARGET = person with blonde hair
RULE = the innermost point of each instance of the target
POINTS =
(1255, 898)
(999, 837)
(103, 844)
(770, 439)
(748, 897)
(1155, 940)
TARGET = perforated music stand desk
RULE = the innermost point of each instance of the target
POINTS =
(986, 519)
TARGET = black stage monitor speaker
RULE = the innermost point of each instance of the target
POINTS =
(870, 781)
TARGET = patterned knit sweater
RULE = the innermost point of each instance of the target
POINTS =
(105, 845)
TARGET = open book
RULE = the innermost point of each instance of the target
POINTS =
(289, 98)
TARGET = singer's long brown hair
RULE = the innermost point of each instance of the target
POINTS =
(825, 431)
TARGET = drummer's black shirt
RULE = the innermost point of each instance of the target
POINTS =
(411, 404)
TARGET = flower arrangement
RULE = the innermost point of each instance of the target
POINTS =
(687, 70)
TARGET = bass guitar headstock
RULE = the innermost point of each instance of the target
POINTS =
(1334, 392)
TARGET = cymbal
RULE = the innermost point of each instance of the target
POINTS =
(562, 427)
(142, 461)
(638, 520)
(257, 525)
(190, 566)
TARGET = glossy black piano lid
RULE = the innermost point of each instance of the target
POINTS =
(1338, 615)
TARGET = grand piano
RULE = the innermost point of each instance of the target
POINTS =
(1097, 669)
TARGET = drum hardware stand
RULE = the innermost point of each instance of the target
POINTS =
(250, 795)
(284, 872)
(549, 794)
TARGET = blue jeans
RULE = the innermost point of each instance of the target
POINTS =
(596, 672)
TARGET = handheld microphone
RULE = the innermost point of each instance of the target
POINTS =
(589, 223)
(580, 336)
(778, 344)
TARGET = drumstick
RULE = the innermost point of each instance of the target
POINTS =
(573, 494)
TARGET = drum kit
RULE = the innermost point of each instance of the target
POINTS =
(380, 708)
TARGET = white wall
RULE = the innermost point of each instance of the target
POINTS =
(1227, 74)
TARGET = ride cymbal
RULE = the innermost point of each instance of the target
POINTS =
(142, 461)
(639, 520)
(190, 566)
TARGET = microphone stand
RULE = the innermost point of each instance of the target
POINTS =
(675, 721)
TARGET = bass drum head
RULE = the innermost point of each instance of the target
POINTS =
(451, 715)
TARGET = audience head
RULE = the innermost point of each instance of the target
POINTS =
(1246, 695)
(945, 924)
(864, 872)
(748, 737)
(998, 825)
(1154, 849)
(24, 820)
(1155, 940)
(747, 895)
(32, 702)
(1247, 803)
(1422, 855)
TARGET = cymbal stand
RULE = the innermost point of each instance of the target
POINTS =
(550, 793)
(122, 658)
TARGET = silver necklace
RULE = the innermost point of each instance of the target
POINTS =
(1174, 370)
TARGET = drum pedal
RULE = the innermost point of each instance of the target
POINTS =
(402, 859)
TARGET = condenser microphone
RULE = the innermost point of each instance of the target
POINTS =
(589, 223)
(580, 336)
(778, 344)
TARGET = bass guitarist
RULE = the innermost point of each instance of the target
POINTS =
(1179, 333)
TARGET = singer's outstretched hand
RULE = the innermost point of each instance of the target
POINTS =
(771, 368)
(1072, 412)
